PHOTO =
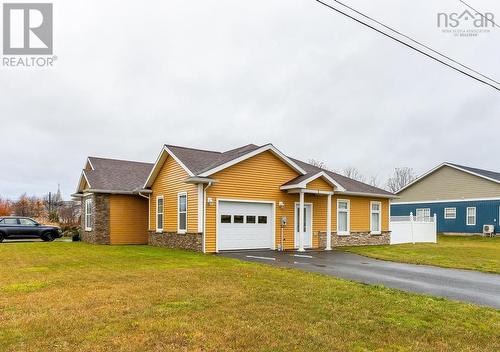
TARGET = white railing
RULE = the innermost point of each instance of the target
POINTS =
(413, 229)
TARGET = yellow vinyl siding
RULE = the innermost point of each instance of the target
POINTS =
(319, 185)
(360, 213)
(257, 178)
(128, 219)
(169, 183)
(260, 178)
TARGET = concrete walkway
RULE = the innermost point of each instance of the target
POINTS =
(462, 285)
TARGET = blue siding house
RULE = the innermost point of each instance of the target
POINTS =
(463, 198)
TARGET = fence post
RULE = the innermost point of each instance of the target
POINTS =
(435, 227)
(411, 227)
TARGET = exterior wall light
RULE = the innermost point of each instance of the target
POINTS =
(281, 204)
(210, 201)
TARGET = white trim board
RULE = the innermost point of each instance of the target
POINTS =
(159, 163)
(446, 201)
(303, 184)
(267, 147)
(441, 166)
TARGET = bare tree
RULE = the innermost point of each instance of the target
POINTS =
(317, 163)
(69, 212)
(373, 181)
(400, 178)
(353, 173)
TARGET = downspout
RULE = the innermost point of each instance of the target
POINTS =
(148, 197)
(205, 212)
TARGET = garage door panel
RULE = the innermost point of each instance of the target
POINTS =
(244, 230)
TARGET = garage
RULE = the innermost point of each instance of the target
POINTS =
(245, 225)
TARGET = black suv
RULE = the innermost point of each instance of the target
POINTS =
(22, 227)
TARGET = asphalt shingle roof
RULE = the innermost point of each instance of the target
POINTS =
(199, 161)
(122, 175)
(486, 173)
(117, 175)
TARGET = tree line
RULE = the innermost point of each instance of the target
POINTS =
(400, 177)
(50, 208)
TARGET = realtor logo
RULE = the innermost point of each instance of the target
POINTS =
(27, 29)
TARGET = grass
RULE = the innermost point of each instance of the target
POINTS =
(471, 252)
(78, 297)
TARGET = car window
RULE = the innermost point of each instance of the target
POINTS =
(27, 222)
(10, 221)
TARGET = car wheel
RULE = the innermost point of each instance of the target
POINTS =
(48, 237)
(1, 237)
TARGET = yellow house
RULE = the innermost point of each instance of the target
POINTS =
(253, 197)
(256, 197)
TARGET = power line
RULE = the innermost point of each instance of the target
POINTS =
(417, 42)
(409, 45)
(480, 13)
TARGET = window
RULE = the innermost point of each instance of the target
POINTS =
(251, 219)
(159, 213)
(375, 218)
(342, 217)
(471, 216)
(88, 215)
(225, 219)
(450, 213)
(27, 222)
(298, 219)
(238, 219)
(262, 219)
(423, 214)
(182, 212)
(10, 221)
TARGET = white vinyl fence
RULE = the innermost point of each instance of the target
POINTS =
(413, 229)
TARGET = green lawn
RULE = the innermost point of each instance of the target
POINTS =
(475, 253)
(78, 297)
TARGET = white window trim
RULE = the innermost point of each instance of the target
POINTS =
(379, 212)
(179, 195)
(424, 211)
(467, 216)
(450, 217)
(348, 232)
(160, 229)
(88, 205)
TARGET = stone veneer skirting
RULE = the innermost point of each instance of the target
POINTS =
(355, 239)
(100, 219)
(189, 241)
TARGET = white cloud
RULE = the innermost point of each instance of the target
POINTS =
(218, 74)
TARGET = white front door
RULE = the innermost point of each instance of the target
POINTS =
(307, 239)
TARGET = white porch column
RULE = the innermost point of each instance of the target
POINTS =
(329, 224)
(301, 222)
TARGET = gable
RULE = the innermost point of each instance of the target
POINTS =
(449, 183)
(258, 171)
(319, 184)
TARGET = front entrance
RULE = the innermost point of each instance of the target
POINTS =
(307, 239)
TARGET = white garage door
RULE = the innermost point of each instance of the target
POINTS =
(245, 225)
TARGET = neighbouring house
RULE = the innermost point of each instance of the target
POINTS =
(252, 197)
(114, 210)
(463, 198)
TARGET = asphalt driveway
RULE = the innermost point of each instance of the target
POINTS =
(462, 285)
